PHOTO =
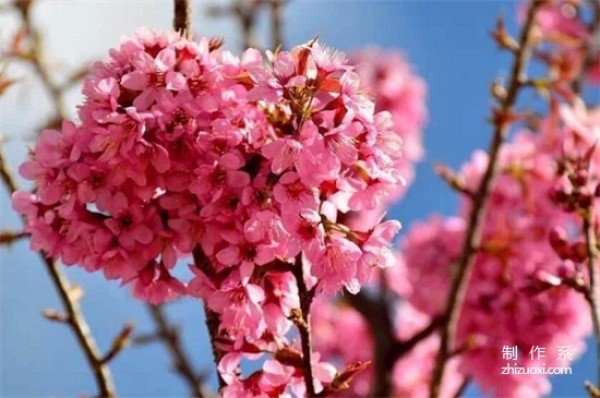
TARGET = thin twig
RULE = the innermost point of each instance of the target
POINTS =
(502, 120)
(591, 48)
(80, 328)
(594, 287)
(182, 20)
(303, 323)
(38, 59)
(182, 364)
(10, 237)
(6, 176)
(277, 24)
(74, 317)
(119, 343)
(246, 15)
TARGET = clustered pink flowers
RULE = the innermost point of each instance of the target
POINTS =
(243, 163)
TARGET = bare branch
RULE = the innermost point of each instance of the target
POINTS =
(502, 118)
(594, 287)
(9, 237)
(119, 343)
(277, 24)
(38, 59)
(169, 335)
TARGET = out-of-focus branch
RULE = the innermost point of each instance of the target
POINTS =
(502, 118)
(454, 180)
(277, 23)
(592, 390)
(119, 343)
(387, 348)
(594, 286)
(246, 11)
(182, 20)
(462, 388)
(74, 318)
(169, 335)
(6, 175)
(10, 237)
(37, 58)
(69, 294)
(592, 46)
(377, 315)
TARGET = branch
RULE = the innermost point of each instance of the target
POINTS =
(301, 319)
(454, 180)
(246, 15)
(211, 318)
(74, 317)
(404, 346)
(501, 118)
(462, 388)
(182, 20)
(277, 24)
(387, 348)
(589, 52)
(119, 343)
(594, 287)
(9, 237)
(169, 335)
(377, 315)
(37, 58)
(6, 176)
(76, 321)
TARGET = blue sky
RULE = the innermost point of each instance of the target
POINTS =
(448, 43)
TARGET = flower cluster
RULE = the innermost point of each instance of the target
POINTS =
(245, 164)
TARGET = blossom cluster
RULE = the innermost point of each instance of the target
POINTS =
(244, 164)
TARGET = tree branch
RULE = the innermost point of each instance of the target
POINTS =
(211, 318)
(10, 237)
(182, 20)
(74, 317)
(277, 24)
(502, 120)
(37, 58)
(302, 321)
(387, 348)
(589, 52)
(246, 15)
(594, 287)
(182, 364)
